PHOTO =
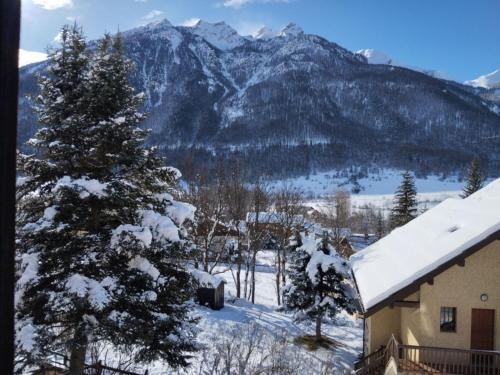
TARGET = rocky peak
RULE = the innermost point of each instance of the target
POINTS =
(264, 33)
(219, 34)
(291, 30)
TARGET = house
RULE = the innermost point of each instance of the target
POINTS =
(344, 247)
(275, 221)
(430, 291)
(210, 289)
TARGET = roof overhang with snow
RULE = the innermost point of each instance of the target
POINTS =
(396, 266)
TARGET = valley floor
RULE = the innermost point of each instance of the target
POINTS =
(379, 182)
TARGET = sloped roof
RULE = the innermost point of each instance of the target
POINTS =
(205, 279)
(425, 244)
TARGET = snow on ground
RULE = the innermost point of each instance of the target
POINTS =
(380, 182)
(346, 330)
(377, 189)
(239, 312)
(385, 202)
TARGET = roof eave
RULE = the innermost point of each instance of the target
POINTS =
(415, 285)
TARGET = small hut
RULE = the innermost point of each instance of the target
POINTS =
(210, 290)
(344, 247)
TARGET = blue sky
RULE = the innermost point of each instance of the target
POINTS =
(459, 37)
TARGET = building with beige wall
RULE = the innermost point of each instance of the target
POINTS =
(434, 284)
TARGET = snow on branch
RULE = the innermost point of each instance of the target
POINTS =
(86, 186)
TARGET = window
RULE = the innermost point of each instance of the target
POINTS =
(448, 321)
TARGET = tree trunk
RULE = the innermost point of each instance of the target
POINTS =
(278, 275)
(238, 270)
(78, 353)
(238, 280)
(254, 261)
(318, 327)
(205, 259)
(247, 271)
(283, 268)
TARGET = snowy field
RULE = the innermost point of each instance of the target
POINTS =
(377, 190)
(239, 313)
(385, 202)
(382, 182)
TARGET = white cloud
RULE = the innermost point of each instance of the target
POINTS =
(153, 15)
(30, 57)
(190, 22)
(239, 3)
(53, 4)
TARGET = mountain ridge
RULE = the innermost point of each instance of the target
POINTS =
(297, 99)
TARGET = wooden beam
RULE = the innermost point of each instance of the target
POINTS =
(430, 281)
(409, 304)
(10, 17)
(461, 262)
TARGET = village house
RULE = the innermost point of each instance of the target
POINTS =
(430, 291)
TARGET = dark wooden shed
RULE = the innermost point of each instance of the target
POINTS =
(210, 291)
(212, 297)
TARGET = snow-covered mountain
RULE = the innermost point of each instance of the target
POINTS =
(290, 103)
(30, 57)
(374, 56)
(218, 34)
(488, 81)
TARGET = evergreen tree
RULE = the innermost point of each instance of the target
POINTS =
(319, 282)
(100, 237)
(405, 208)
(474, 179)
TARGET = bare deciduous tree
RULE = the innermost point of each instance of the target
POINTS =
(209, 199)
(287, 206)
(338, 213)
(252, 350)
(256, 231)
(237, 202)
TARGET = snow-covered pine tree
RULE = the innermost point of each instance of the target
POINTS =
(474, 179)
(405, 199)
(100, 237)
(319, 282)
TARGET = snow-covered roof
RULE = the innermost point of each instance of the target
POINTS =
(273, 218)
(205, 279)
(427, 242)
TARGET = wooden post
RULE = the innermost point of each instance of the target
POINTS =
(98, 368)
(10, 18)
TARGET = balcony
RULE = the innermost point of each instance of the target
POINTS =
(396, 358)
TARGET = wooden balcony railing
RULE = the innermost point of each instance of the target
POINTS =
(412, 359)
(371, 364)
(431, 360)
(59, 364)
